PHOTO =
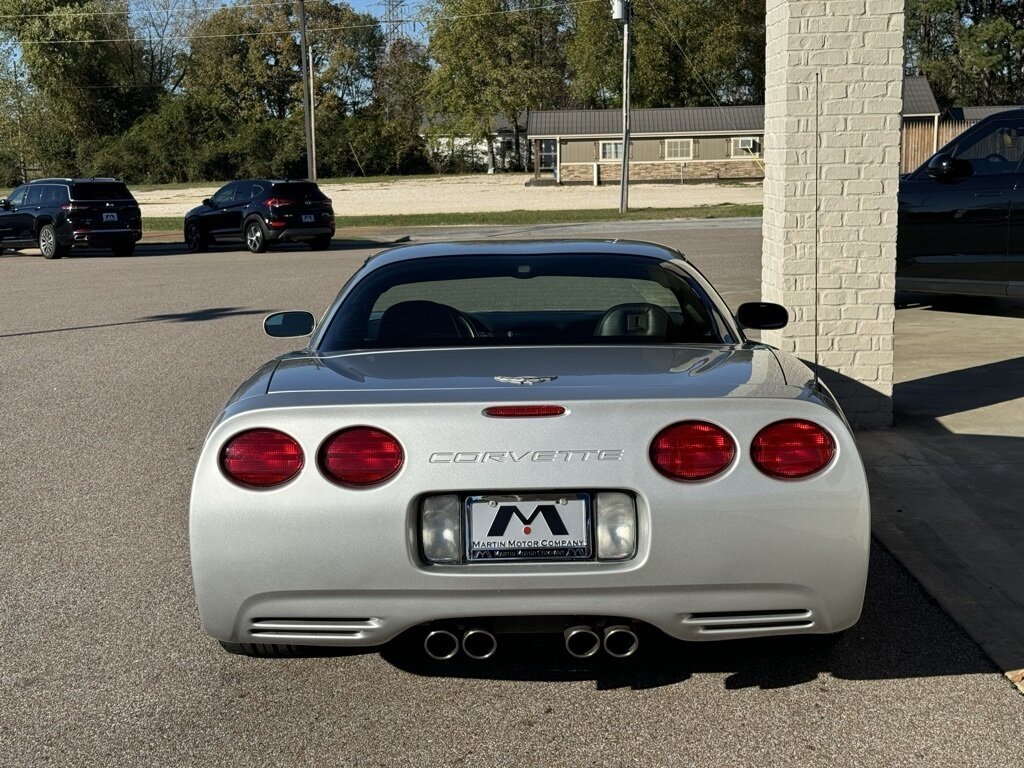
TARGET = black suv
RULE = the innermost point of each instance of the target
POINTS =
(56, 214)
(259, 212)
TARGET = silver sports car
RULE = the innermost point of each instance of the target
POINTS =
(486, 438)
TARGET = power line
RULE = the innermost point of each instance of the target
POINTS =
(128, 11)
(411, 20)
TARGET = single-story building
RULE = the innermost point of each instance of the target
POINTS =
(672, 144)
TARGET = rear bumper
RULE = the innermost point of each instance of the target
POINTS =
(298, 234)
(327, 565)
(695, 613)
(99, 237)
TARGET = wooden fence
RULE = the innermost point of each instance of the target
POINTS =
(918, 141)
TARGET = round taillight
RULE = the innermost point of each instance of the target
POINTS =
(261, 458)
(792, 449)
(361, 456)
(692, 450)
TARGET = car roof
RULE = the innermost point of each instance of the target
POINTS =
(594, 247)
(73, 181)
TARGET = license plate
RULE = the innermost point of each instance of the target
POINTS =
(110, 217)
(308, 218)
(550, 527)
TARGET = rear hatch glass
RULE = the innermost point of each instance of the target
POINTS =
(300, 192)
(103, 205)
(100, 190)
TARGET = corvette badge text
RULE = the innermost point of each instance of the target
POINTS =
(515, 457)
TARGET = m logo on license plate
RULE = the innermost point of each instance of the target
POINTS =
(534, 528)
(110, 217)
(308, 218)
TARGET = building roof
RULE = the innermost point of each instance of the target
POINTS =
(599, 122)
(974, 114)
(917, 100)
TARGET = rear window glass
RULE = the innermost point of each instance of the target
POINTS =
(299, 190)
(100, 190)
(524, 299)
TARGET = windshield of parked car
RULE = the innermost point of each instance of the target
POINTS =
(101, 190)
(494, 300)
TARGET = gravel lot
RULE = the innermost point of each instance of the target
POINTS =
(457, 194)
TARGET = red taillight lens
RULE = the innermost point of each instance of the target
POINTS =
(523, 411)
(361, 456)
(277, 202)
(692, 450)
(792, 449)
(261, 458)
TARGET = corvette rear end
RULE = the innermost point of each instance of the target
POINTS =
(708, 490)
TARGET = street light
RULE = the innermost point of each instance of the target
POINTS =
(622, 10)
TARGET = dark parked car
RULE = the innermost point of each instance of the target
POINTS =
(961, 214)
(259, 212)
(55, 215)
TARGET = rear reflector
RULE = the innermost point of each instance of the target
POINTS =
(792, 449)
(692, 450)
(361, 456)
(261, 458)
(523, 411)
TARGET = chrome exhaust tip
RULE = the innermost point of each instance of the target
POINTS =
(620, 641)
(581, 641)
(479, 643)
(441, 645)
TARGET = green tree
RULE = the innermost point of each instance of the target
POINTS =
(685, 53)
(493, 58)
(972, 51)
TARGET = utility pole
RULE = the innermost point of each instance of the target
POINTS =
(20, 130)
(307, 95)
(622, 10)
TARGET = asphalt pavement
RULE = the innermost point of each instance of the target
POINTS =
(111, 371)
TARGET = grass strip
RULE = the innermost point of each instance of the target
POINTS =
(510, 218)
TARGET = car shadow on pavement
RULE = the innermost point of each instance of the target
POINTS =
(146, 250)
(195, 316)
(902, 634)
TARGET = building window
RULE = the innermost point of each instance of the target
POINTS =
(611, 150)
(746, 146)
(679, 149)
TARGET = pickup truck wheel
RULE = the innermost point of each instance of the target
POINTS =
(48, 244)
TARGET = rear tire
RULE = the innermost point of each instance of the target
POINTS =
(48, 244)
(255, 236)
(195, 240)
(320, 243)
(262, 650)
(123, 249)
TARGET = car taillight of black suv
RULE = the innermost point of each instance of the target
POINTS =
(56, 215)
(259, 212)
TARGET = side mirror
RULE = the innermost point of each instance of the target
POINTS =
(941, 166)
(209, 202)
(284, 325)
(5, 203)
(762, 316)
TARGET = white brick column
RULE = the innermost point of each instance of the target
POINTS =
(857, 47)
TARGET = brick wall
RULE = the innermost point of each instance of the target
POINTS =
(664, 172)
(857, 47)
